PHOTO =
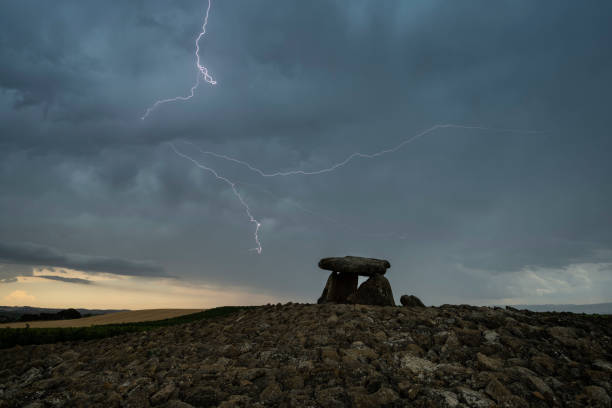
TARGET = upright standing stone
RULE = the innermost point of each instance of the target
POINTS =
(339, 286)
(375, 291)
(327, 288)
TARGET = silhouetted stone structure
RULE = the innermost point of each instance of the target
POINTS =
(341, 286)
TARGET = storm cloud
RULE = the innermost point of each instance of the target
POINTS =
(40, 255)
(67, 280)
(460, 213)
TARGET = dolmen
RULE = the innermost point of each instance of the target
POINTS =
(341, 286)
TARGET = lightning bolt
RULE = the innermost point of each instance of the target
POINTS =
(230, 183)
(202, 72)
(355, 155)
(329, 169)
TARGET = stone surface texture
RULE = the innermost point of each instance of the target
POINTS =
(330, 355)
(355, 264)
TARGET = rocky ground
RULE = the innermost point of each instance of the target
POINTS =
(328, 355)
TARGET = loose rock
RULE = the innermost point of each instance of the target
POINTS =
(598, 396)
(327, 355)
(411, 301)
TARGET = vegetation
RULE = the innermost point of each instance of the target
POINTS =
(12, 337)
(61, 315)
(9, 316)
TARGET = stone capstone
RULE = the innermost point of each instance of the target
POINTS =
(355, 264)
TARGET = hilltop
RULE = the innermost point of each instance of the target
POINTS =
(301, 355)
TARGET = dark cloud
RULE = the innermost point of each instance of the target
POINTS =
(302, 85)
(34, 254)
(9, 273)
(64, 279)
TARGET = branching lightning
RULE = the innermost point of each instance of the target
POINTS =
(329, 169)
(356, 154)
(230, 183)
(202, 72)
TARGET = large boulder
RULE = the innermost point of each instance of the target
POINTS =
(375, 291)
(355, 264)
(339, 286)
(411, 301)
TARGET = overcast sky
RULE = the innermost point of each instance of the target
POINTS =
(97, 209)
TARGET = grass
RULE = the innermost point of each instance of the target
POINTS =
(23, 336)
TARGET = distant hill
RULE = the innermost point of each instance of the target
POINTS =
(14, 313)
(594, 308)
